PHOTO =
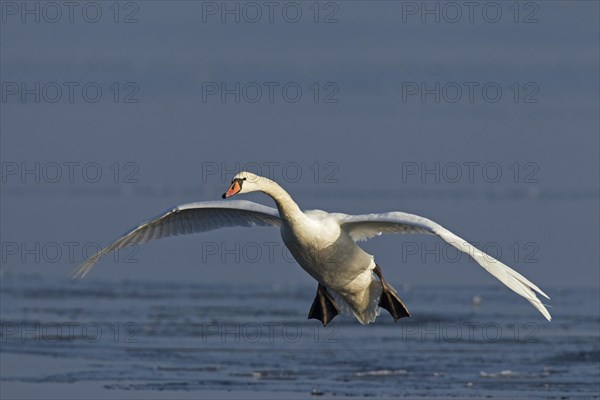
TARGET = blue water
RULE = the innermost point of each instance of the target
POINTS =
(176, 339)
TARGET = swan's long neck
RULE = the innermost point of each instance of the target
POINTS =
(288, 209)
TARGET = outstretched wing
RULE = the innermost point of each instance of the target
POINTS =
(186, 219)
(363, 227)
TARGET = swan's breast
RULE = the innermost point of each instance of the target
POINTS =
(326, 252)
(316, 230)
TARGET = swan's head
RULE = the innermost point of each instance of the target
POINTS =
(244, 182)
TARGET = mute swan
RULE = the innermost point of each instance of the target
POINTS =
(324, 244)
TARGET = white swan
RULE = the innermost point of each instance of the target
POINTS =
(323, 243)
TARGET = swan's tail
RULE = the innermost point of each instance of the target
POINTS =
(366, 308)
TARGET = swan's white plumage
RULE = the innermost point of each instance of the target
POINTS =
(346, 272)
(186, 219)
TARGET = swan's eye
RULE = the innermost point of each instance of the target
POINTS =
(244, 178)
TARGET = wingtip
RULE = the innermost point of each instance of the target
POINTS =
(76, 275)
(80, 272)
(535, 287)
(547, 316)
(541, 307)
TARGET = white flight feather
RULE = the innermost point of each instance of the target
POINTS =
(363, 227)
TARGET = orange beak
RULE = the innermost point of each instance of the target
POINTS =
(233, 190)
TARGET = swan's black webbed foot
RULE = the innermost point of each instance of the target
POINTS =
(389, 299)
(323, 308)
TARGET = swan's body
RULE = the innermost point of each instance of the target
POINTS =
(324, 244)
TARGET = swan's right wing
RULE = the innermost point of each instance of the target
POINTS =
(363, 227)
(189, 218)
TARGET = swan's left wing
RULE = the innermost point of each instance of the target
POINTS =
(187, 219)
(363, 227)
